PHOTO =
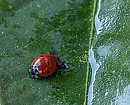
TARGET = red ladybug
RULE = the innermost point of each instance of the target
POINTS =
(46, 64)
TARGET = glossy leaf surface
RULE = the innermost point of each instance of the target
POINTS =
(110, 54)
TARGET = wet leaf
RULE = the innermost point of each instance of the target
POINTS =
(110, 54)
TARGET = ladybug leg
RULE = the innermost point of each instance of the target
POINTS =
(62, 65)
(54, 53)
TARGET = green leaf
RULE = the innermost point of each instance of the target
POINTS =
(29, 28)
(111, 59)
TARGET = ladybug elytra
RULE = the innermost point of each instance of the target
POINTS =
(46, 64)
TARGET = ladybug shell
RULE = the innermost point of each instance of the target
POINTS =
(47, 64)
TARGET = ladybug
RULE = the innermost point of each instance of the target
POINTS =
(46, 64)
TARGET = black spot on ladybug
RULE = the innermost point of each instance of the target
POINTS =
(48, 72)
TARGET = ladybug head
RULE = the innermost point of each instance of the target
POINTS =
(34, 72)
(34, 69)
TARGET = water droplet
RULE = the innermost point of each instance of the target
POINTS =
(38, 5)
(106, 93)
(2, 33)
